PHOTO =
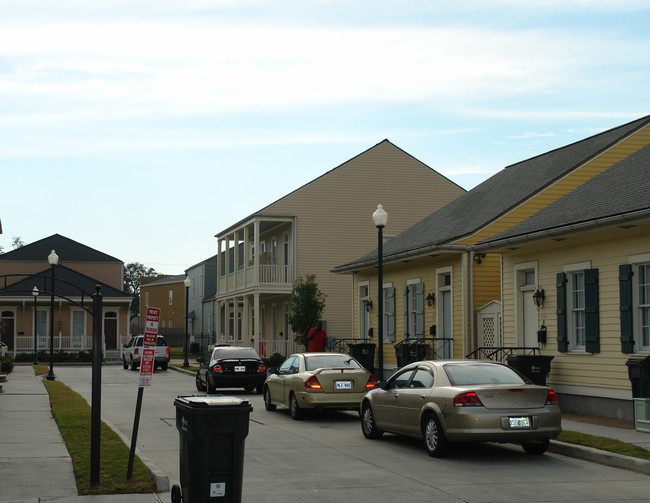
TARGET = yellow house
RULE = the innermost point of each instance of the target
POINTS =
(310, 230)
(589, 252)
(480, 286)
(167, 293)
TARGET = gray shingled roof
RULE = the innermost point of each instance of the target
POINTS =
(67, 249)
(618, 193)
(494, 197)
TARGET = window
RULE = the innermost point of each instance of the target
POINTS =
(634, 283)
(171, 297)
(578, 310)
(170, 324)
(146, 299)
(401, 380)
(389, 313)
(444, 310)
(421, 379)
(414, 310)
(41, 327)
(78, 326)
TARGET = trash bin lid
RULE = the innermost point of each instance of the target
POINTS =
(211, 401)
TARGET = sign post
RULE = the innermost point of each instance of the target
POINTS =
(146, 372)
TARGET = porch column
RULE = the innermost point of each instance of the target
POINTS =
(256, 328)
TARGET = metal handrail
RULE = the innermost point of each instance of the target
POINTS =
(500, 353)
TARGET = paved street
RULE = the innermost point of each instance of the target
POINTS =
(326, 458)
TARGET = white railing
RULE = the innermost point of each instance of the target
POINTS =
(66, 343)
(276, 274)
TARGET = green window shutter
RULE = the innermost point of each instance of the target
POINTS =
(592, 314)
(419, 308)
(390, 314)
(626, 308)
(562, 336)
(406, 311)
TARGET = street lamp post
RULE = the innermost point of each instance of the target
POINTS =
(35, 294)
(53, 260)
(380, 218)
(187, 283)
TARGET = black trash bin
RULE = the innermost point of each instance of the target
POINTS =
(638, 370)
(534, 367)
(212, 429)
(364, 353)
(409, 351)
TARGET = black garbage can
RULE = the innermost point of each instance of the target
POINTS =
(409, 351)
(212, 429)
(364, 353)
(534, 367)
(638, 370)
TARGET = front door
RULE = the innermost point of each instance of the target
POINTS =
(110, 330)
(7, 325)
(529, 322)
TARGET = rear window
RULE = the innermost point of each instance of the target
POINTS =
(330, 361)
(481, 373)
(161, 341)
(234, 353)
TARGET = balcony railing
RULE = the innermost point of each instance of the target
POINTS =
(499, 354)
(275, 274)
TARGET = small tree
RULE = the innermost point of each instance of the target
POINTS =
(132, 274)
(306, 307)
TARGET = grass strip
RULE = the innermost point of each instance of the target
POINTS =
(604, 444)
(73, 416)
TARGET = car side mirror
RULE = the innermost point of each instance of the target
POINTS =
(383, 385)
(124, 345)
(272, 370)
(200, 360)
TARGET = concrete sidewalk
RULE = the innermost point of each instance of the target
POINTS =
(35, 466)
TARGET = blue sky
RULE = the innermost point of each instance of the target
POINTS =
(142, 128)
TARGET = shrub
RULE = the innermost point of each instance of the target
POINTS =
(6, 364)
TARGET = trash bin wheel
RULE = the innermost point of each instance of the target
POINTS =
(176, 494)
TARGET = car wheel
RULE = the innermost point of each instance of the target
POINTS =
(211, 388)
(267, 400)
(124, 364)
(294, 408)
(249, 387)
(435, 441)
(134, 365)
(368, 425)
(199, 384)
(260, 389)
(163, 366)
(176, 494)
(537, 447)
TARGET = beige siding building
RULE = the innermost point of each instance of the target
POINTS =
(309, 231)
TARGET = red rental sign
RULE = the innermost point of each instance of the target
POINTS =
(146, 366)
(151, 327)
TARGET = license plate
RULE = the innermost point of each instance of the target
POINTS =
(519, 422)
(240, 368)
(343, 384)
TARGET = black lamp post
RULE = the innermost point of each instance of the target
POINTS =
(187, 283)
(53, 260)
(380, 218)
(35, 294)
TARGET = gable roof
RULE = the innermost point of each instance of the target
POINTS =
(619, 194)
(383, 143)
(494, 197)
(67, 249)
(165, 280)
(68, 283)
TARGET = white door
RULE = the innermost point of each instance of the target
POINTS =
(529, 319)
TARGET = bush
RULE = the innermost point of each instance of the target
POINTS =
(6, 364)
(275, 360)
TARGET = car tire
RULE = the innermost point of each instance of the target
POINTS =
(294, 409)
(435, 441)
(368, 425)
(537, 447)
(134, 365)
(163, 366)
(124, 364)
(211, 388)
(259, 389)
(267, 401)
(199, 385)
(249, 387)
(176, 494)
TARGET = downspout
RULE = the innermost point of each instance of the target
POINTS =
(471, 300)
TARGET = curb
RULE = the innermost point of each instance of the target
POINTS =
(602, 457)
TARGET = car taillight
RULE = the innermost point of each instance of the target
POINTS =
(551, 398)
(468, 399)
(312, 383)
(135, 351)
(167, 350)
(261, 368)
(217, 368)
(372, 381)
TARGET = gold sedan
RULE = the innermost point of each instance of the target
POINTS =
(317, 381)
(443, 402)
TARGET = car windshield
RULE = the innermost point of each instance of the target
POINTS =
(481, 373)
(234, 353)
(330, 361)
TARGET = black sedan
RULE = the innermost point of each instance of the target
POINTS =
(231, 367)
